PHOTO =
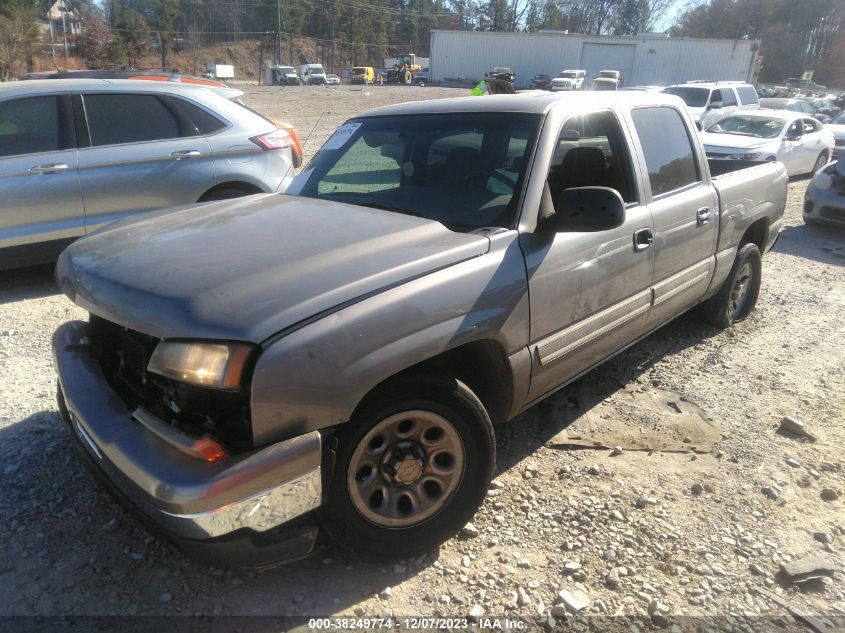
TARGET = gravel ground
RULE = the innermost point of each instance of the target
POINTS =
(697, 540)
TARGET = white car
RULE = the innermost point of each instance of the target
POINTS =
(837, 126)
(710, 101)
(332, 80)
(569, 80)
(797, 140)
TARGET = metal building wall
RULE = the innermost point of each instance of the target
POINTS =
(467, 55)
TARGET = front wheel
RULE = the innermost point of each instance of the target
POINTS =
(738, 295)
(411, 468)
(821, 161)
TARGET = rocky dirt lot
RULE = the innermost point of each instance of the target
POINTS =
(684, 539)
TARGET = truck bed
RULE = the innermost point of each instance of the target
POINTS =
(749, 192)
(721, 167)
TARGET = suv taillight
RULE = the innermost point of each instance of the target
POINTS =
(277, 139)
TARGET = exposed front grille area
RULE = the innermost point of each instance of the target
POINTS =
(124, 354)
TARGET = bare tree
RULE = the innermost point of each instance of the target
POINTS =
(18, 32)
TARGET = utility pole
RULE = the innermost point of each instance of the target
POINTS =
(278, 52)
(333, 70)
(64, 28)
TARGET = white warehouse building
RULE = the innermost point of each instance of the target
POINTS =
(649, 59)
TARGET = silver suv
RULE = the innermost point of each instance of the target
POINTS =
(76, 154)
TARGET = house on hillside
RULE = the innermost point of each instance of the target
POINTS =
(59, 21)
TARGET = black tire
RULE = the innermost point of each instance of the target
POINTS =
(454, 402)
(223, 194)
(725, 308)
(821, 161)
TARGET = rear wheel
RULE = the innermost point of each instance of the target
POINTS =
(407, 77)
(738, 295)
(411, 468)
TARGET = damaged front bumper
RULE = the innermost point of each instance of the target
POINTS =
(251, 509)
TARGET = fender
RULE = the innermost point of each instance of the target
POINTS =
(315, 376)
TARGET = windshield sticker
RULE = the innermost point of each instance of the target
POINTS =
(342, 136)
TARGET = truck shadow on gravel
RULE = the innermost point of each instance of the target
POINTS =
(518, 439)
(70, 549)
(33, 282)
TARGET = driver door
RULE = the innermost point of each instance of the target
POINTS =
(793, 148)
(589, 291)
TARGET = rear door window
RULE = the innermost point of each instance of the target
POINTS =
(748, 95)
(129, 118)
(728, 97)
(667, 148)
(30, 126)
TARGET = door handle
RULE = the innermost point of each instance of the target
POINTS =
(48, 169)
(643, 239)
(188, 153)
(702, 216)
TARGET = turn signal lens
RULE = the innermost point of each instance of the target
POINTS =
(209, 449)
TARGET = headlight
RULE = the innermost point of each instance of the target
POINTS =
(216, 365)
(750, 156)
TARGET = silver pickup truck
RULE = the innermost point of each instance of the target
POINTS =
(339, 357)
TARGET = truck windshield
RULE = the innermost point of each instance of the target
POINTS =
(756, 126)
(357, 71)
(464, 170)
(567, 74)
(693, 97)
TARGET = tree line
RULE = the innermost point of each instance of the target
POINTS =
(795, 35)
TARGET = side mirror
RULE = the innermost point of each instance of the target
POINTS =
(698, 126)
(716, 105)
(586, 210)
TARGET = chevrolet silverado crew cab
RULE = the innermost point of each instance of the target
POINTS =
(254, 368)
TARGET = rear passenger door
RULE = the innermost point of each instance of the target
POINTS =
(143, 154)
(589, 292)
(684, 208)
(39, 184)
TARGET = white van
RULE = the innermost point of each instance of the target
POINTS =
(710, 100)
(311, 74)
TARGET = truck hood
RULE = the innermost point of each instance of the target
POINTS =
(248, 268)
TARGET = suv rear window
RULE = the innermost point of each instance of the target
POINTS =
(128, 118)
(205, 122)
(747, 94)
(28, 126)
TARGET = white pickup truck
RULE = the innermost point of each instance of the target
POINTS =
(339, 357)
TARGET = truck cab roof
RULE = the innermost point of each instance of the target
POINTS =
(535, 102)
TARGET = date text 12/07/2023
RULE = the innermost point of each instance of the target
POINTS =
(422, 623)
